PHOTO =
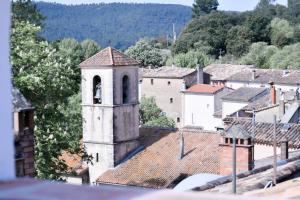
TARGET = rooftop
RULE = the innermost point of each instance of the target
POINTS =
(245, 94)
(19, 101)
(264, 132)
(204, 88)
(158, 166)
(109, 57)
(167, 72)
(223, 71)
(264, 76)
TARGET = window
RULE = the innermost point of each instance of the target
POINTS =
(169, 82)
(242, 141)
(97, 157)
(26, 119)
(125, 88)
(171, 100)
(178, 119)
(226, 141)
(152, 81)
(97, 90)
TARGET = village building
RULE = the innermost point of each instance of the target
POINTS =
(200, 103)
(219, 73)
(286, 80)
(23, 128)
(165, 85)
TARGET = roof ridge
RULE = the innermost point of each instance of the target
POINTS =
(110, 50)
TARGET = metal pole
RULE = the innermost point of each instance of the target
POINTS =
(275, 153)
(234, 165)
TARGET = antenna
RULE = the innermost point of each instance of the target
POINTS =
(174, 34)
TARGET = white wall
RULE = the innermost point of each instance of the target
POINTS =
(264, 151)
(7, 163)
(199, 110)
(229, 108)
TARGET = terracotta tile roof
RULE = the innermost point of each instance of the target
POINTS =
(167, 72)
(264, 131)
(157, 166)
(73, 162)
(109, 57)
(264, 76)
(222, 72)
(204, 88)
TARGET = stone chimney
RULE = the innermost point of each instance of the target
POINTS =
(273, 93)
(200, 74)
(244, 150)
(253, 74)
(284, 150)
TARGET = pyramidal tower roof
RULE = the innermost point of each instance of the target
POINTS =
(109, 57)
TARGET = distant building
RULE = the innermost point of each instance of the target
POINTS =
(201, 102)
(240, 98)
(23, 127)
(219, 73)
(285, 80)
(109, 108)
(166, 84)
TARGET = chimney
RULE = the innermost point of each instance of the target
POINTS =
(199, 74)
(281, 105)
(253, 74)
(183, 86)
(181, 146)
(273, 93)
(284, 150)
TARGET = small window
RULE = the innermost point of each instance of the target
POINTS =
(242, 141)
(231, 141)
(226, 140)
(97, 157)
(26, 119)
(169, 82)
(178, 119)
(171, 100)
(125, 85)
(152, 81)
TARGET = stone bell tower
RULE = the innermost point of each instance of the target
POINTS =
(109, 109)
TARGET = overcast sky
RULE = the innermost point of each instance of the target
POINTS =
(236, 5)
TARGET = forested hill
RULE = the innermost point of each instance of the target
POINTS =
(116, 24)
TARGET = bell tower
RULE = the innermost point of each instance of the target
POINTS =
(109, 109)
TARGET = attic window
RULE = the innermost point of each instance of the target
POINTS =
(178, 119)
(171, 100)
(241, 141)
(226, 140)
(152, 81)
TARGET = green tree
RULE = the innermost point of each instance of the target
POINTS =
(202, 7)
(264, 4)
(286, 58)
(209, 30)
(89, 48)
(46, 78)
(145, 53)
(189, 59)
(259, 55)
(281, 32)
(25, 10)
(294, 9)
(238, 40)
(151, 114)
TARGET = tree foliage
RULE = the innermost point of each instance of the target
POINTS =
(145, 53)
(281, 32)
(259, 55)
(190, 59)
(89, 48)
(151, 114)
(202, 7)
(286, 58)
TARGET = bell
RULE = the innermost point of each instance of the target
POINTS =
(98, 94)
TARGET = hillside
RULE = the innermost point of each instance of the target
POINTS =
(116, 24)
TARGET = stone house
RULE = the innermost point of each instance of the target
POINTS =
(23, 128)
(166, 84)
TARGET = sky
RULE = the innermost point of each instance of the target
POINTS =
(234, 5)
